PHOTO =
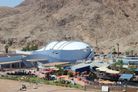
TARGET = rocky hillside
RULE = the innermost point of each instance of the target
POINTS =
(105, 22)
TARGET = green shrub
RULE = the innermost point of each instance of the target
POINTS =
(70, 74)
(33, 79)
(30, 47)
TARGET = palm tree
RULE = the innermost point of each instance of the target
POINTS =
(113, 51)
(6, 48)
(117, 48)
(132, 52)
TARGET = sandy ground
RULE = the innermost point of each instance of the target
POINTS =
(14, 86)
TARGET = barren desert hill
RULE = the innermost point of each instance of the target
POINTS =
(7, 11)
(106, 22)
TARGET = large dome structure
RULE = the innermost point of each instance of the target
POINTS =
(57, 51)
(64, 51)
(66, 45)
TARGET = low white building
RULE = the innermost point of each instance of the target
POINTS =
(130, 60)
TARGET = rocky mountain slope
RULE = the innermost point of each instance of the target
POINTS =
(105, 22)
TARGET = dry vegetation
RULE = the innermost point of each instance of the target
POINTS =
(41, 21)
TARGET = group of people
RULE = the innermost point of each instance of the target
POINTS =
(24, 87)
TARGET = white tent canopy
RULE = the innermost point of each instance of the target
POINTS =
(65, 45)
(105, 69)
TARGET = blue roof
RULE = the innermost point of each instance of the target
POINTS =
(126, 76)
(10, 59)
(35, 56)
(78, 66)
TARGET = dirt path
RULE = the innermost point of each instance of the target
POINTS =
(14, 86)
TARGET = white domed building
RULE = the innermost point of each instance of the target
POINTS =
(64, 51)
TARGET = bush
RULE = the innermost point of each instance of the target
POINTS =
(65, 72)
(119, 63)
(70, 74)
(60, 71)
(30, 47)
(33, 79)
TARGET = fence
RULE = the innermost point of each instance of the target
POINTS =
(96, 86)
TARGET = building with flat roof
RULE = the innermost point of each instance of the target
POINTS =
(130, 60)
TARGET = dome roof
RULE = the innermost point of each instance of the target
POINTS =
(66, 45)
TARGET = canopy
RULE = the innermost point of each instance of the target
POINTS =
(112, 71)
(105, 69)
(66, 45)
(10, 62)
(126, 76)
(11, 59)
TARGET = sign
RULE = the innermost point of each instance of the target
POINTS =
(105, 89)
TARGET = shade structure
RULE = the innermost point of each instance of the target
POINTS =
(126, 76)
(81, 67)
(10, 62)
(105, 69)
(99, 64)
(65, 45)
(11, 59)
(112, 71)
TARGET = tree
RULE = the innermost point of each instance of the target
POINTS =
(117, 48)
(114, 51)
(132, 52)
(30, 47)
(92, 76)
(6, 48)
(120, 63)
(70, 74)
(126, 53)
(60, 71)
(9, 43)
(34, 47)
